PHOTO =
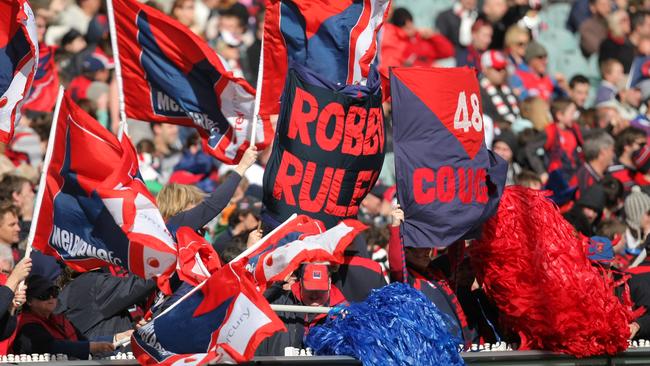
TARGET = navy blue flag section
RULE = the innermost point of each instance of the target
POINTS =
(448, 182)
(328, 149)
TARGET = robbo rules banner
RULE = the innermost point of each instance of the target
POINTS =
(328, 150)
(448, 183)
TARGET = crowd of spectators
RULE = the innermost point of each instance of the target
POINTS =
(582, 137)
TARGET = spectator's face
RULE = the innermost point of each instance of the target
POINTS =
(169, 133)
(643, 48)
(503, 150)
(607, 155)
(25, 197)
(482, 38)
(43, 308)
(9, 229)
(566, 117)
(602, 7)
(633, 97)
(250, 221)
(616, 74)
(644, 28)
(495, 9)
(418, 258)
(519, 47)
(496, 77)
(185, 13)
(624, 24)
(102, 75)
(590, 214)
(41, 27)
(314, 298)
(409, 28)
(372, 204)
(538, 64)
(230, 24)
(579, 94)
(91, 6)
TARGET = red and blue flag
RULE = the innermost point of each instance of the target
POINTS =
(45, 87)
(300, 240)
(336, 39)
(448, 182)
(96, 211)
(18, 61)
(225, 320)
(173, 76)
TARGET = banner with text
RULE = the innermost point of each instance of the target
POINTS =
(448, 183)
(328, 150)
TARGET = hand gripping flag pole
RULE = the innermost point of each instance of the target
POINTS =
(124, 127)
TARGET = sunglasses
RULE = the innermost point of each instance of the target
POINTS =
(50, 293)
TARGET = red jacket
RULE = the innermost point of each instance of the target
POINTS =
(398, 49)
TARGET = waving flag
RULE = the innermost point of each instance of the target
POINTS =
(18, 61)
(95, 210)
(45, 88)
(336, 39)
(173, 76)
(225, 320)
(302, 239)
(448, 183)
(197, 259)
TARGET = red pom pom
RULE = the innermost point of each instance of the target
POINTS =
(534, 266)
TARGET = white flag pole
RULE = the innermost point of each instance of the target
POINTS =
(258, 95)
(301, 309)
(254, 247)
(124, 127)
(43, 180)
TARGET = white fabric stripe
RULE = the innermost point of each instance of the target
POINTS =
(366, 37)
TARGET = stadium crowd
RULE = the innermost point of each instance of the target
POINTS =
(557, 107)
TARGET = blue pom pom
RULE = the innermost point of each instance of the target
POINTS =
(396, 325)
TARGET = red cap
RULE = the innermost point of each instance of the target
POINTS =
(493, 59)
(315, 277)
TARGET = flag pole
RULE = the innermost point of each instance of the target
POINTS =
(301, 309)
(255, 246)
(258, 95)
(43, 180)
(124, 127)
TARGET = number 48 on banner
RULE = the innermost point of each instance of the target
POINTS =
(461, 117)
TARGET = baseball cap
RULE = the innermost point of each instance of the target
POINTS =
(534, 50)
(95, 62)
(39, 287)
(249, 204)
(494, 59)
(315, 277)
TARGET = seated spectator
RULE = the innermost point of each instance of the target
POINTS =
(642, 121)
(516, 42)
(534, 81)
(310, 286)
(499, 101)
(641, 159)
(593, 31)
(402, 44)
(95, 67)
(637, 219)
(42, 331)
(505, 145)
(579, 91)
(10, 228)
(456, 23)
(586, 213)
(481, 38)
(183, 11)
(612, 73)
(598, 149)
(617, 45)
(628, 141)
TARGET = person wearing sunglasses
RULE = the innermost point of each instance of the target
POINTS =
(42, 331)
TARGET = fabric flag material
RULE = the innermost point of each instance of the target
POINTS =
(336, 39)
(18, 61)
(301, 240)
(197, 259)
(225, 320)
(96, 211)
(329, 148)
(45, 88)
(448, 183)
(173, 76)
